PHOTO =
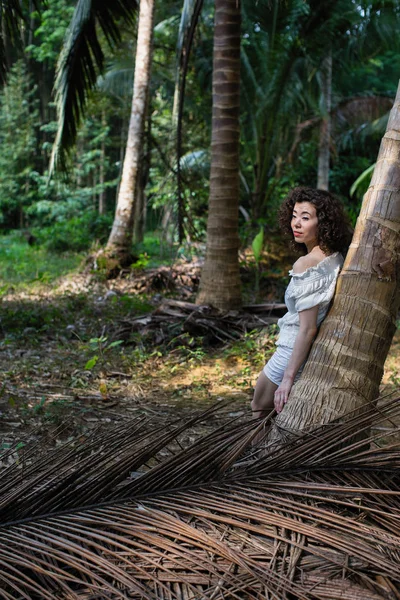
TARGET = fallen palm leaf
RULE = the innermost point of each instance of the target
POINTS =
(178, 317)
(318, 519)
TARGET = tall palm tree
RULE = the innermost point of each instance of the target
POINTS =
(345, 366)
(220, 282)
(120, 240)
(81, 60)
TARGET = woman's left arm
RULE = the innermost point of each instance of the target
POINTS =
(301, 348)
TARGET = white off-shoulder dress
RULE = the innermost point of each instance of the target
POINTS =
(314, 287)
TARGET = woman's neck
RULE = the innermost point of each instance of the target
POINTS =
(313, 247)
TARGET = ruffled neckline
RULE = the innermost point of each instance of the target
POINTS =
(321, 266)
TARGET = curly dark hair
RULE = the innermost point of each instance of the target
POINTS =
(334, 231)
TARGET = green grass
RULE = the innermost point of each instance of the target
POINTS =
(155, 252)
(21, 264)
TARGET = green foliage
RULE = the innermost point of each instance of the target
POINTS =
(50, 33)
(75, 234)
(378, 73)
(156, 251)
(27, 130)
(345, 170)
(21, 264)
(254, 347)
(362, 182)
(136, 305)
(141, 262)
(31, 321)
(101, 346)
(283, 45)
(257, 245)
(19, 117)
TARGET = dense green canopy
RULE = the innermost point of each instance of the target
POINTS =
(87, 113)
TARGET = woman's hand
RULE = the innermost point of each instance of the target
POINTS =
(282, 394)
(301, 348)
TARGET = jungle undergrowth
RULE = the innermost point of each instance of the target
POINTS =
(69, 352)
(73, 357)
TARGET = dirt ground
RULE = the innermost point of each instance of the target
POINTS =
(49, 388)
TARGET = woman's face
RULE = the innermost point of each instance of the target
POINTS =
(305, 224)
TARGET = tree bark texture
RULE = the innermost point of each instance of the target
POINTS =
(325, 127)
(345, 366)
(220, 282)
(142, 179)
(102, 169)
(140, 211)
(120, 240)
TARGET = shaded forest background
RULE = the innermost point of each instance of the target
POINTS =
(281, 112)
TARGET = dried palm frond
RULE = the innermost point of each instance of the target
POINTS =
(316, 520)
(88, 473)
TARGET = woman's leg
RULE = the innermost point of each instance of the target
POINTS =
(263, 399)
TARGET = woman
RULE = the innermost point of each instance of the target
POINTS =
(316, 222)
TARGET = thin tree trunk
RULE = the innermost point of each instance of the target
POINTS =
(120, 240)
(6, 46)
(220, 282)
(143, 177)
(345, 366)
(122, 147)
(325, 127)
(179, 99)
(79, 153)
(102, 177)
(168, 224)
(31, 29)
(94, 187)
(140, 210)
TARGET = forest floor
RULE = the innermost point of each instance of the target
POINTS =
(71, 360)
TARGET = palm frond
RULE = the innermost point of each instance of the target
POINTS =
(357, 117)
(317, 520)
(80, 62)
(359, 110)
(70, 477)
(118, 79)
(196, 161)
(11, 20)
(362, 182)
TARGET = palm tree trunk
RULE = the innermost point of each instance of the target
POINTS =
(120, 240)
(325, 128)
(220, 283)
(345, 366)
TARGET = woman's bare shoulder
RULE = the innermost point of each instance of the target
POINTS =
(307, 261)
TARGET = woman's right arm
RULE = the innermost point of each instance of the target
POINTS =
(304, 339)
